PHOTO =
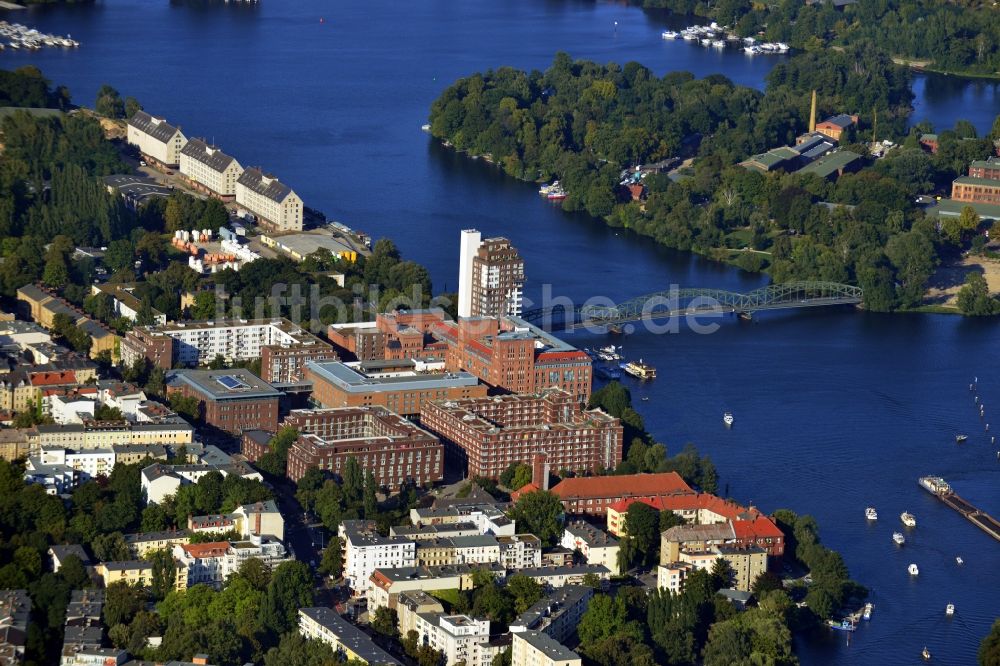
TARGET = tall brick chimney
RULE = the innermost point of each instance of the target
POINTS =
(540, 471)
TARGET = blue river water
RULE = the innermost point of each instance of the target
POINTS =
(835, 409)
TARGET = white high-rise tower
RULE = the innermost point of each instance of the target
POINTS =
(471, 240)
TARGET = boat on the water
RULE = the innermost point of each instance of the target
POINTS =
(959, 560)
(867, 613)
(960, 438)
(727, 418)
(913, 570)
(669, 34)
(908, 519)
(949, 609)
(843, 625)
(544, 190)
(935, 485)
(871, 513)
(639, 370)
(926, 654)
(898, 538)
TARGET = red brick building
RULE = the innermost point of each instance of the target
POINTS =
(255, 443)
(230, 400)
(989, 169)
(394, 449)
(491, 433)
(511, 354)
(982, 185)
(592, 495)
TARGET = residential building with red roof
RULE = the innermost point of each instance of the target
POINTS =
(593, 495)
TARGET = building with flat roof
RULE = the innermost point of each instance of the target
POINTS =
(835, 126)
(462, 639)
(300, 245)
(273, 203)
(534, 648)
(386, 582)
(282, 346)
(489, 434)
(160, 481)
(833, 164)
(347, 640)
(337, 384)
(395, 450)
(230, 400)
(512, 355)
(491, 277)
(157, 140)
(988, 168)
(209, 170)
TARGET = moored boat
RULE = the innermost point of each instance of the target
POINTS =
(913, 570)
(935, 485)
(728, 419)
(639, 370)
(867, 613)
(949, 609)
(669, 34)
(871, 513)
(898, 538)
(908, 519)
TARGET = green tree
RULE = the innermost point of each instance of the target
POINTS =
(539, 513)
(526, 591)
(989, 649)
(974, 297)
(606, 617)
(642, 534)
(109, 103)
(131, 106)
(122, 602)
(386, 622)
(290, 589)
(332, 563)
(370, 499)
(353, 481)
(164, 574)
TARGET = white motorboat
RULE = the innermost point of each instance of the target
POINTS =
(913, 570)
(908, 519)
(871, 513)
(898, 538)
(718, 44)
(949, 609)
(728, 419)
(867, 614)
(959, 561)
(668, 34)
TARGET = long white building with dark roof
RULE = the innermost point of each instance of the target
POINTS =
(209, 169)
(270, 200)
(155, 138)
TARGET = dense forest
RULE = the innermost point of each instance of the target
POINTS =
(951, 36)
(586, 124)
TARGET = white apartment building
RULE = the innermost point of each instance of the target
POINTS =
(461, 638)
(210, 169)
(156, 138)
(68, 408)
(596, 545)
(271, 201)
(521, 551)
(487, 518)
(478, 549)
(261, 519)
(533, 648)
(213, 563)
(365, 551)
(200, 342)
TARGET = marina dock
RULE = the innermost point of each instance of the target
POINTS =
(944, 492)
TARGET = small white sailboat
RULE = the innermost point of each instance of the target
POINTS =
(871, 513)
(728, 419)
(959, 561)
(898, 538)
(926, 654)
(913, 570)
(908, 519)
(949, 609)
(668, 34)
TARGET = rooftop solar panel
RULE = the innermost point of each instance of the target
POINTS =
(231, 383)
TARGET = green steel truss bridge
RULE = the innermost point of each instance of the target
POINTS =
(680, 302)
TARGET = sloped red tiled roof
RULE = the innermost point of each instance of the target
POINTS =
(210, 549)
(761, 526)
(628, 485)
